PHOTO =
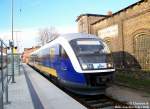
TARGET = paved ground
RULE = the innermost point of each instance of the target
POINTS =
(19, 95)
(50, 96)
(128, 95)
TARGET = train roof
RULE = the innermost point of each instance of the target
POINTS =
(72, 36)
(67, 37)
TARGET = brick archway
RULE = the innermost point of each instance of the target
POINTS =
(142, 48)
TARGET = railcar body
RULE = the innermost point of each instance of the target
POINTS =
(80, 62)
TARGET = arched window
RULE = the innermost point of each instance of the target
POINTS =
(142, 50)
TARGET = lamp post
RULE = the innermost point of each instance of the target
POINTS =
(12, 19)
(12, 44)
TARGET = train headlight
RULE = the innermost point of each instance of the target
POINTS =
(109, 65)
(84, 66)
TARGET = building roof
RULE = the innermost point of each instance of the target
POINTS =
(27, 49)
(87, 14)
(124, 9)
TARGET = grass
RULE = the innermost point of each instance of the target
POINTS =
(142, 84)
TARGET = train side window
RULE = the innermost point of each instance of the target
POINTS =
(63, 53)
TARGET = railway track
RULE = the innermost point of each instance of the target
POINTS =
(93, 102)
(98, 101)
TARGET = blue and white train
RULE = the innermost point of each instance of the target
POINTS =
(80, 62)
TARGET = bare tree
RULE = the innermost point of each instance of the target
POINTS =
(47, 34)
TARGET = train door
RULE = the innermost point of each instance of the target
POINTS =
(65, 69)
(67, 72)
(63, 59)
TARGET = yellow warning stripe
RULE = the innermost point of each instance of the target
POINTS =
(48, 70)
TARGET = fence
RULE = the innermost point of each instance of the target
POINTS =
(9, 66)
(3, 73)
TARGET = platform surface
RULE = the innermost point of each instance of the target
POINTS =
(33, 91)
(18, 93)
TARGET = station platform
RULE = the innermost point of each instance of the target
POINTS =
(33, 91)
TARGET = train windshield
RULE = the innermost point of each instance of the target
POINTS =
(89, 47)
(91, 51)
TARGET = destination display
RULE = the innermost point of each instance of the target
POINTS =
(88, 42)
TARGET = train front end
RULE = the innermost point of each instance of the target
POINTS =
(96, 64)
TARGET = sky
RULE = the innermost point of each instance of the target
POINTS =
(32, 15)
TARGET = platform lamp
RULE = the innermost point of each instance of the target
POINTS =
(11, 43)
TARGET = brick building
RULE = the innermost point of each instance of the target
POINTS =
(127, 33)
(27, 52)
